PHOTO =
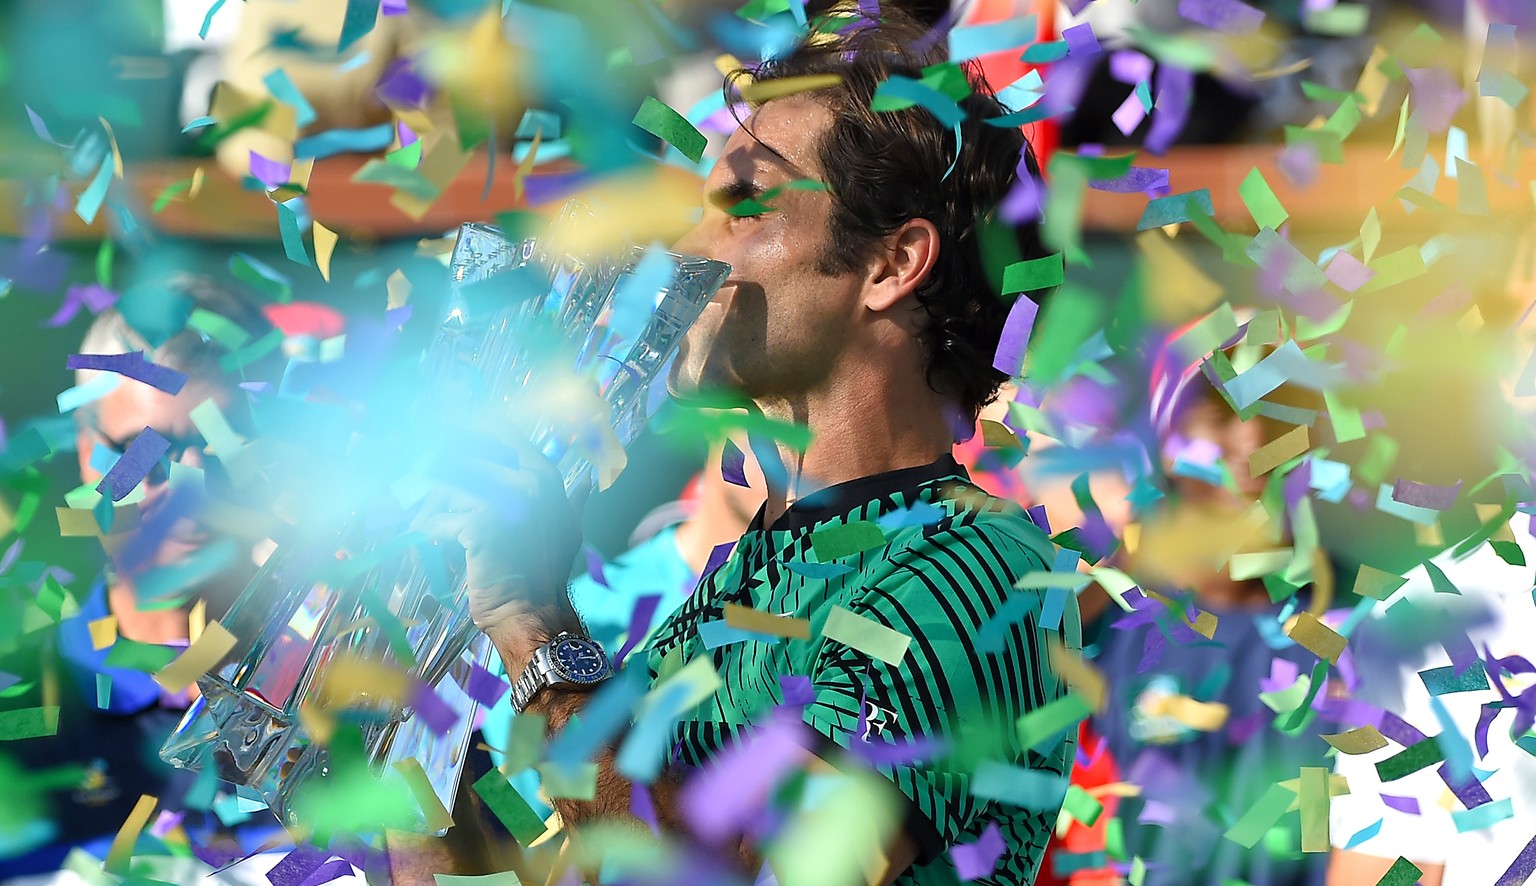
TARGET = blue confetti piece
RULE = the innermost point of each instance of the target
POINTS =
(133, 365)
(733, 465)
(975, 40)
(361, 16)
(91, 391)
(1364, 834)
(1055, 605)
(291, 228)
(202, 32)
(142, 454)
(344, 141)
(199, 123)
(717, 633)
(898, 93)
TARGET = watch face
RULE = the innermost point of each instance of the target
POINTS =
(579, 660)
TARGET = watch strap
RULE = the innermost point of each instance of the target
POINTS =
(529, 683)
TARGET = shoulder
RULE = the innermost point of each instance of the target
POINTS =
(972, 525)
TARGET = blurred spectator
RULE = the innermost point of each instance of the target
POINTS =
(1184, 720)
(115, 733)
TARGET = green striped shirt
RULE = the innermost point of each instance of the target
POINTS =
(939, 560)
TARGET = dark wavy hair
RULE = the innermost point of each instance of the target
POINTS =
(884, 168)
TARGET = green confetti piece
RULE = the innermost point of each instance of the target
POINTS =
(408, 157)
(1344, 120)
(1510, 552)
(266, 280)
(1347, 422)
(948, 80)
(1261, 201)
(103, 691)
(1438, 579)
(1248, 830)
(1314, 809)
(572, 782)
(1410, 760)
(1339, 20)
(509, 807)
(1376, 583)
(1402, 873)
(1397, 267)
(1327, 144)
(1471, 189)
(221, 329)
(1082, 806)
(252, 352)
(29, 723)
(1034, 274)
(1319, 93)
(899, 93)
(671, 127)
(866, 636)
(406, 180)
(1067, 320)
(836, 542)
(1052, 720)
(525, 740)
(135, 656)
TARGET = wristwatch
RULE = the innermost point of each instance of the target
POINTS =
(568, 662)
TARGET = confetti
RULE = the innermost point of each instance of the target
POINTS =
(865, 635)
(671, 127)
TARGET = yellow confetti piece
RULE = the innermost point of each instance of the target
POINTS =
(348, 678)
(399, 288)
(103, 632)
(726, 64)
(325, 245)
(197, 620)
(121, 851)
(1279, 451)
(1201, 716)
(1356, 741)
(759, 622)
(866, 636)
(1315, 637)
(197, 183)
(77, 522)
(200, 657)
(525, 166)
(1079, 673)
(437, 817)
(758, 92)
(117, 156)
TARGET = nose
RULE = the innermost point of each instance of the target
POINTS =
(694, 242)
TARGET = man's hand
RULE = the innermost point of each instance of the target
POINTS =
(504, 504)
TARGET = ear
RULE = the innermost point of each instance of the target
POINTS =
(906, 259)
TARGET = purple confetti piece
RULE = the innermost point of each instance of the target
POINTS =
(1081, 40)
(401, 85)
(978, 859)
(1129, 66)
(297, 866)
(641, 807)
(733, 465)
(595, 566)
(1436, 98)
(484, 686)
(395, 318)
(1485, 718)
(394, 7)
(1521, 868)
(900, 753)
(14, 551)
(1129, 115)
(1174, 88)
(1423, 495)
(1137, 180)
(1159, 813)
(1024, 201)
(429, 706)
(1227, 16)
(720, 800)
(717, 557)
(639, 625)
(165, 822)
(1299, 164)
(134, 366)
(1347, 272)
(1014, 341)
(41, 128)
(332, 870)
(1036, 515)
(90, 295)
(142, 454)
(797, 690)
(1409, 805)
(1242, 729)
(270, 172)
(1468, 790)
(1399, 730)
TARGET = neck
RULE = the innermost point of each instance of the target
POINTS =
(859, 428)
(144, 626)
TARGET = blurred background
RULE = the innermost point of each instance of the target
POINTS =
(324, 152)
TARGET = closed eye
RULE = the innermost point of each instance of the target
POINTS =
(734, 192)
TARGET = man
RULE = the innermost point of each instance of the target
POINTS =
(114, 719)
(864, 311)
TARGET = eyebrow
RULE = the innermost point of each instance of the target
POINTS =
(735, 191)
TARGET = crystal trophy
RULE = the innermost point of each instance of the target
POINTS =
(569, 344)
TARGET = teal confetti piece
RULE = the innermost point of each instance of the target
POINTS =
(290, 226)
(1028, 788)
(360, 18)
(898, 93)
(1444, 681)
(344, 141)
(89, 202)
(1176, 208)
(199, 123)
(202, 32)
(282, 89)
(1483, 816)
(968, 42)
(1364, 834)
(103, 691)
(264, 278)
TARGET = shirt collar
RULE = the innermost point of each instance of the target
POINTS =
(841, 498)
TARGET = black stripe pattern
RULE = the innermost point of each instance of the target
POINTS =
(939, 584)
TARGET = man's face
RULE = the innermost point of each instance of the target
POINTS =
(778, 326)
(126, 412)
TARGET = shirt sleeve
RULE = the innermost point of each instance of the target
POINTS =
(941, 590)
